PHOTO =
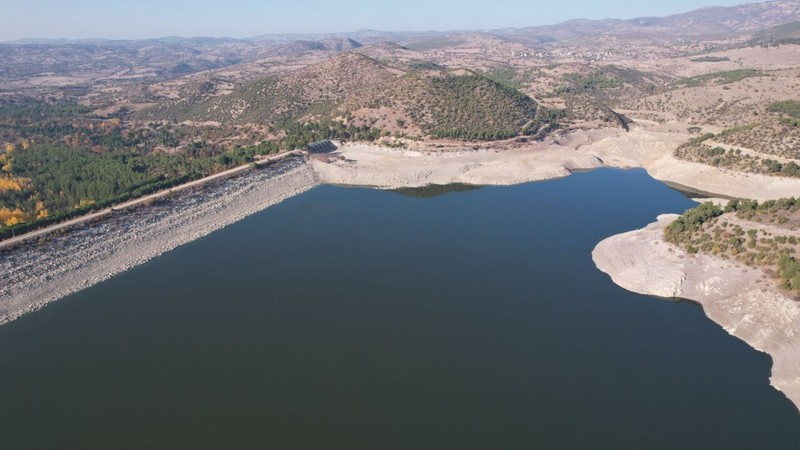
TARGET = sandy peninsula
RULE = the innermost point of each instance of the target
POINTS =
(743, 300)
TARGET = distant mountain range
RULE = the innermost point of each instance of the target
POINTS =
(702, 22)
(175, 40)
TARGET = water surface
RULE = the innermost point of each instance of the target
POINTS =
(353, 318)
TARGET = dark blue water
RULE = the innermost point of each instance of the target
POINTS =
(361, 319)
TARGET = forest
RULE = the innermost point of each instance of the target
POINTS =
(68, 163)
(470, 107)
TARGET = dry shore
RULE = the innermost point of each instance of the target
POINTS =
(389, 168)
(644, 146)
(651, 149)
(55, 265)
(743, 300)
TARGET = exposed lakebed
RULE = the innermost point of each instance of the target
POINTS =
(356, 318)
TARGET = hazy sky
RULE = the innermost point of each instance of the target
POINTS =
(247, 18)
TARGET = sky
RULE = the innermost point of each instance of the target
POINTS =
(136, 19)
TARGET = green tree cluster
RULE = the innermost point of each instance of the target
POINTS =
(472, 107)
(719, 78)
(699, 230)
(691, 221)
(788, 107)
(790, 273)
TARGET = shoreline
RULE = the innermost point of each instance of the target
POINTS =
(51, 263)
(352, 164)
(48, 266)
(743, 300)
(368, 165)
(105, 212)
(381, 167)
(653, 151)
(42, 270)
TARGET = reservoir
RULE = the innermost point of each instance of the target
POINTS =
(342, 318)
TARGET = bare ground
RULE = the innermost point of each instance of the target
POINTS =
(647, 146)
(383, 167)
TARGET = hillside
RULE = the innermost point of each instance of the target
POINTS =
(788, 33)
(359, 89)
(466, 106)
(311, 90)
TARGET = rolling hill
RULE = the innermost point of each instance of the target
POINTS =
(355, 88)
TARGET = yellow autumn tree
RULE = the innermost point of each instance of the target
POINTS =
(41, 211)
(11, 184)
(11, 217)
(6, 162)
(85, 202)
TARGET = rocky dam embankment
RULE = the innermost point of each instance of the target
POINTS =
(49, 267)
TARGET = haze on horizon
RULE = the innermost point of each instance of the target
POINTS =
(114, 19)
